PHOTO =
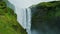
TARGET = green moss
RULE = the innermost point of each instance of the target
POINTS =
(8, 21)
(48, 4)
(46, 13)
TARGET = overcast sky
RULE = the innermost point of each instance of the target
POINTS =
(26, 3)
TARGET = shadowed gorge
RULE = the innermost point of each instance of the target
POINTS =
(8, 21)
(46, 18)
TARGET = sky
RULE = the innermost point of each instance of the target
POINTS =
(26, 3)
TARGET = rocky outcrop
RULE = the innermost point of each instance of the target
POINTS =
(46, 17)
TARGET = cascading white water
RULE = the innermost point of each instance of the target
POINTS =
(28, 20)
(24, 13)
(25, 18)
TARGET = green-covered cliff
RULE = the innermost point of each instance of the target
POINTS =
(46, 17)
(8, 21)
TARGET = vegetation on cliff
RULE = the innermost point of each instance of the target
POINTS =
(8, 21)
(46, 14)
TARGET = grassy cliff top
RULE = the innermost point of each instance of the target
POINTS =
(47, 7)
(49, 4)
(8, 21)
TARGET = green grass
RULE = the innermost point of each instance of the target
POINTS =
(8, 21)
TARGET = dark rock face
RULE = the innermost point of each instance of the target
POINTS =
(46, 18)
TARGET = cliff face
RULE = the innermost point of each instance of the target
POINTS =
(8, 21)
(46, 17)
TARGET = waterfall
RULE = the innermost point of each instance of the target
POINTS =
(24, 18)
(21, 17)
(28, 20)
(24, 12)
